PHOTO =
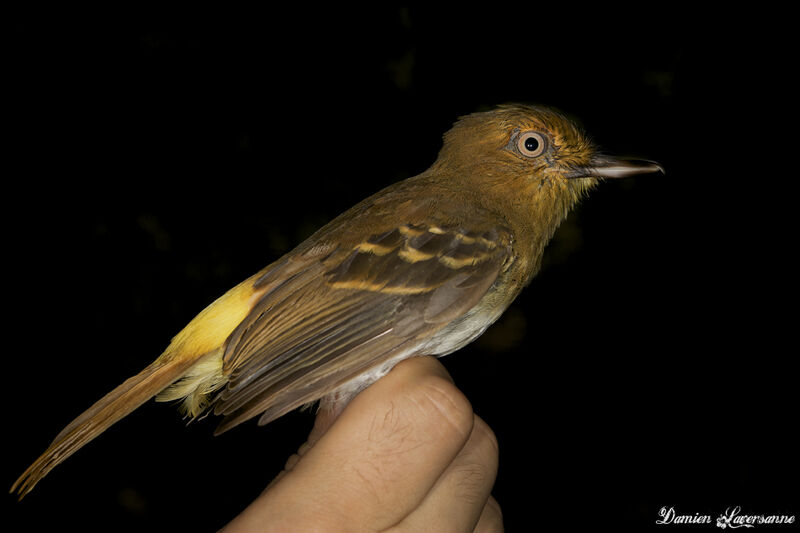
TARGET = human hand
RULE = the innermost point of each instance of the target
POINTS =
(407, 454)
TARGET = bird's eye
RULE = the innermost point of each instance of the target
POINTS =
(531, 144)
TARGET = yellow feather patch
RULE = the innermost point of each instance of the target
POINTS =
(382, 287)
(410, 231)
(455, 264)
(377, 249)
(203, 339)
(214, 324)
(413, 256)
(196, 385)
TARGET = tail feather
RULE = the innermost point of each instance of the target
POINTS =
(112, 407)
(201, 342)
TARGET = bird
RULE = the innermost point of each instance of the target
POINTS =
(421, 267)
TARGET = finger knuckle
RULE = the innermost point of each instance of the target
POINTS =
(492, 519)
(445, 405)
(486, 439)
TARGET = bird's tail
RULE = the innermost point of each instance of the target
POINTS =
(112, 407)
(195, 354)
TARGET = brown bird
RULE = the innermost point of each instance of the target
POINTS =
(422, 267)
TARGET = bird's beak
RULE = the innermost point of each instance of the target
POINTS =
(604, 166)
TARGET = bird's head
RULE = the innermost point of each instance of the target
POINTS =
(530, 148)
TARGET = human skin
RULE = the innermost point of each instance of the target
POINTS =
(407, 454)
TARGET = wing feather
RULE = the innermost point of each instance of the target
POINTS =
(332, 318)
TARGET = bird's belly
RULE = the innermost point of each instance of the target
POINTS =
(452, 337)
(462, 331)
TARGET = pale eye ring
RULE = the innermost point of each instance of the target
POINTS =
(531, 144)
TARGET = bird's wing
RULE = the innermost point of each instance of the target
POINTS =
(323, 322)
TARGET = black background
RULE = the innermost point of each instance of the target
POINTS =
(155, 160)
